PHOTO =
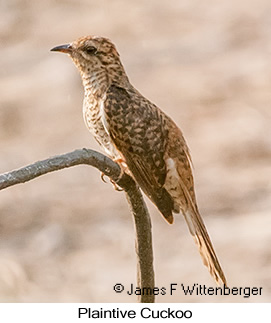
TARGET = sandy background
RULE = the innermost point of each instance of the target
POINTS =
(67, 236)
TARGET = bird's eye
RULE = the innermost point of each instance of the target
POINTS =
(91, 50)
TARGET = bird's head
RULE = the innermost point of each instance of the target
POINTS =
(95, 57)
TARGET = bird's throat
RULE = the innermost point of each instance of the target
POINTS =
(95, 85)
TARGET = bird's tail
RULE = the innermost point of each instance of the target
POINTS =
(203, 241)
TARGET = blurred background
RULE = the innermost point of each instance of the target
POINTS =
(69, 237)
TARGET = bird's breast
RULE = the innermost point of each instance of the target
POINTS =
(95, 121)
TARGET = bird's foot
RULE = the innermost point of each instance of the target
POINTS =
(102, 177)
(123, 166)
(116, 186)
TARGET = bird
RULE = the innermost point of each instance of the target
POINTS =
(140, 137)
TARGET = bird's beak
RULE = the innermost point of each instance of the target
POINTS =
(63, 49)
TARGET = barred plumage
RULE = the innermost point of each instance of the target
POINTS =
(136, 133)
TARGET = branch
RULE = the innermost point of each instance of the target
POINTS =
(145, 272)
(77, 157)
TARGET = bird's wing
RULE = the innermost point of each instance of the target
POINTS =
(135, 127)
(158, 157)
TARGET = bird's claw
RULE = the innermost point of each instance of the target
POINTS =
(102, 177)
(116, 186)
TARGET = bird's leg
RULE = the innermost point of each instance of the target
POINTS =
(122, 165)
(123, 168)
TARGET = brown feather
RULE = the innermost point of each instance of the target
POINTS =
(131, 128)
(199, 232)
(180, 185)
(149, 169)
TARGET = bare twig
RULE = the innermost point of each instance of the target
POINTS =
(145, 272)
(77, 157)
